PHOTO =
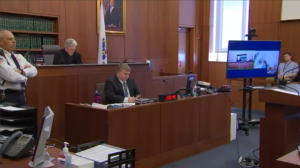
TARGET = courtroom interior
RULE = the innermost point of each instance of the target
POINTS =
(149, 84)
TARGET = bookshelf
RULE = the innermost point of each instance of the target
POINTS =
(31, 30)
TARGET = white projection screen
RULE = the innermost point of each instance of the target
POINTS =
(290, 10)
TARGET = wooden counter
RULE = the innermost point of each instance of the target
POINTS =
(290, 160)
(161, 132)
(56, 85)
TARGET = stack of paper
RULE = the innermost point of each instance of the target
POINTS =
(10, 108)
(99, 153)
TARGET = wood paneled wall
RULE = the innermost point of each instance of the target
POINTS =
(290, 38)
(264, 16)
(151, 29)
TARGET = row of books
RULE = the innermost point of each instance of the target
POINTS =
(27, 24)
(34, 42)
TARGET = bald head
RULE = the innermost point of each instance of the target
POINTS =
(7, 40)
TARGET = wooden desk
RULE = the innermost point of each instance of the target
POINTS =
(56, 85)
(161, 133)
(23, 163)
(279, 129)
(291, 160)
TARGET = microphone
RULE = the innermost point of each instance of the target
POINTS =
(172, 88)
(169, 86)
(284, 82)
(164, 74)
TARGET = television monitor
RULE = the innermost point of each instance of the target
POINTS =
(189, 81)
(252, 59)
(40, 156)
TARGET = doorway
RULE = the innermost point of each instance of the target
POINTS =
(185, 50)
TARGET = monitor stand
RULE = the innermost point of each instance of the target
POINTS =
(47, 162)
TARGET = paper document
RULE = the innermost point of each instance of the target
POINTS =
(100, 106)
(10, 108)
(98, 153)
(10, 128)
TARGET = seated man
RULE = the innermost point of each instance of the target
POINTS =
(120, 88)
(67, 55)
(287, 67)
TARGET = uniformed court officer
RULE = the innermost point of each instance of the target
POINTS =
(14, 71)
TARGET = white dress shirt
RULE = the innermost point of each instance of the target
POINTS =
(13, 79)
(126, 98)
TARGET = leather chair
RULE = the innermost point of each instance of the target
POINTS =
(100, 89)
(49, 52)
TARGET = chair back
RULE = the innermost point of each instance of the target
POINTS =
(100, 89)
(49, 52)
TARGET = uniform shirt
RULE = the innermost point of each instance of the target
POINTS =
(62, 57)
(284, 67)
(13, 79)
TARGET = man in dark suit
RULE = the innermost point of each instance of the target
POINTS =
(112, 15)
(120, 88)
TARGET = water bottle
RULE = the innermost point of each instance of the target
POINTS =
(97, 98)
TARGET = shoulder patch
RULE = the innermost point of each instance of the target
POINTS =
(1, 60)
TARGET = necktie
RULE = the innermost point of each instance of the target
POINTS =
(125, 89)
(23, 84)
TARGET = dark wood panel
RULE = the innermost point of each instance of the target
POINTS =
(115, 47)
(157, 29)
(15, 6)
(206, 12)
(290, 160)
(136, 128)
(81, 26)
(187, 13)
(217, 74)
(56, 8)
(136, 39)
(276, 10)
(165, 64)
(51, 7)
(52, 91)
(266, 31)
(286, 129)
(180, 124)
(172, 33)
(289, 36)
(265, 11)
(94, 119)
(204, 54)
(219, 119)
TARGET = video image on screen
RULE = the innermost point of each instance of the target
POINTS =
(241, 59)
(266, 60)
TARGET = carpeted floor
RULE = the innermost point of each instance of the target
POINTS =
(226, 156)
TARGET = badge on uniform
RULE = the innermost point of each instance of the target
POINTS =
(18, 58)
(1, 60)
(2, 95)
